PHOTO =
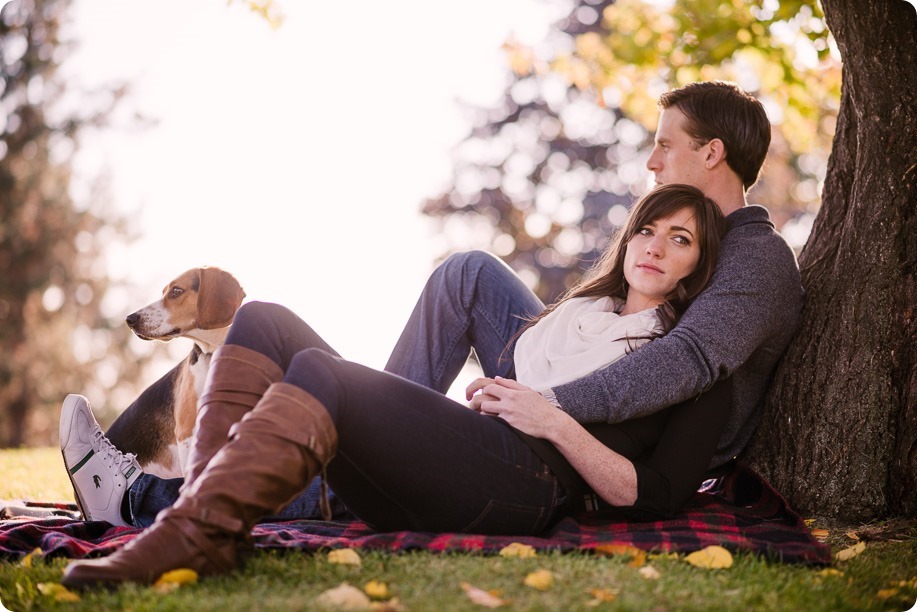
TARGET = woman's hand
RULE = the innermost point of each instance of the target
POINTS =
(520, 406)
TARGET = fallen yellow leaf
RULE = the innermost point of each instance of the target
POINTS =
(173, 579)
(29, 558)
(830, 571)
(853, 535)
(57, 592)
(376, 589)
(712, 557)
(638, 555)
(650, 573)
(344, 556)
(603, 595)
(540, 579)
(821, 534)
(482, 597)
(344, 597)
(851, 551)
(886, 593)
(521, 551)
(179, 576)
(809, 522)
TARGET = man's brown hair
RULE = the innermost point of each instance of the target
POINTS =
(717, 109)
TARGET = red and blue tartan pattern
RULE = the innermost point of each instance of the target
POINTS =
(744, 514)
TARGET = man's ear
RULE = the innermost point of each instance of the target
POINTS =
(716, 153)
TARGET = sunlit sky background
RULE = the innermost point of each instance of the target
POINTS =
(295, 158)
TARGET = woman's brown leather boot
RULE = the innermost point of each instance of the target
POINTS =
(237, 379)
(273, 454)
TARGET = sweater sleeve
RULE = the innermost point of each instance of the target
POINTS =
(754, 294)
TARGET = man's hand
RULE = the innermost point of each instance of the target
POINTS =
(520, 406)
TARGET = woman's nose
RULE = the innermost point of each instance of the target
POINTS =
(655, 247)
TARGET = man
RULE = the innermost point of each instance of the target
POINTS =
(710, 135)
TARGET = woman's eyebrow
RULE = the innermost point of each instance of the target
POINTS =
(683, 229)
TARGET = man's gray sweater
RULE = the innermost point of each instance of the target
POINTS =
(739, 326)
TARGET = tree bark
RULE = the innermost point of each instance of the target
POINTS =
(839, 432)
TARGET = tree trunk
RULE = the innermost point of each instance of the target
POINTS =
(839, 433)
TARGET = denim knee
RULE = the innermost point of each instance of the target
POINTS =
(316, 372)
(468, 262)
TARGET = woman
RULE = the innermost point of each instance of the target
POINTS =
(403, 456)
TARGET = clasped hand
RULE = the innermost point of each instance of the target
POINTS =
(520, 406)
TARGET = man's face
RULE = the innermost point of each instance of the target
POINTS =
(677, 158)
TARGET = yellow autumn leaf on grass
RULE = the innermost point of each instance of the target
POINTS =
(30, 558)
(820, 534)
(712, 557)
(344, 597)
(600, 596)
(344, 556)
(830, 571)
(638, 555)
(540, 579)
(173, 579)
(522, 551)
(483, 598)
(376, 589)
(886, 593)
(850, 552)
(57, 592)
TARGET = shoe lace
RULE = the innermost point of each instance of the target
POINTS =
(113, 457)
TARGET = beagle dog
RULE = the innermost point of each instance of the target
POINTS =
(200, 304)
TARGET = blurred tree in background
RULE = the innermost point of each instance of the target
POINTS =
(56, 334)
(545, 179)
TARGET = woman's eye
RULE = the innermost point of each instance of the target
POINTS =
(682, 240)
(645, 231)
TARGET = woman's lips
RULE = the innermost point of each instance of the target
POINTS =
(650, 268)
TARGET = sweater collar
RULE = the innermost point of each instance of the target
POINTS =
(751, 213)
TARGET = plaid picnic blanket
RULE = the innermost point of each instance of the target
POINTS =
(742, 513)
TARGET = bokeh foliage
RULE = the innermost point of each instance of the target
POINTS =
(56, 334)
(545, 178)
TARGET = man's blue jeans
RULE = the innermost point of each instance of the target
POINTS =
(472, 302)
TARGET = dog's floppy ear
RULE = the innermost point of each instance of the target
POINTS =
(219, 297)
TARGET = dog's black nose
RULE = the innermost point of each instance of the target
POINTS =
(132, 319)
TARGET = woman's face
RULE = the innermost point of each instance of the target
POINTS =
(659, 255)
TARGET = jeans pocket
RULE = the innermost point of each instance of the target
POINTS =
(502, 518)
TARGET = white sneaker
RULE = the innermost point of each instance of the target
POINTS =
(99, 472)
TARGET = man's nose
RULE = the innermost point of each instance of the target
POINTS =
(652, 162)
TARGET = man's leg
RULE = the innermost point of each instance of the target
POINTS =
(151, 494)
(471, 301)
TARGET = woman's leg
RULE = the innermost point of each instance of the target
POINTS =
(410, 458)
(274, 331)
(471, 301)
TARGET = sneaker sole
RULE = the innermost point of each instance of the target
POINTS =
(76, 495)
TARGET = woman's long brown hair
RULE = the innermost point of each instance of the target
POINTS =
(606, 277)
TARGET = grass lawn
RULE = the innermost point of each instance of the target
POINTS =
(882, 577)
